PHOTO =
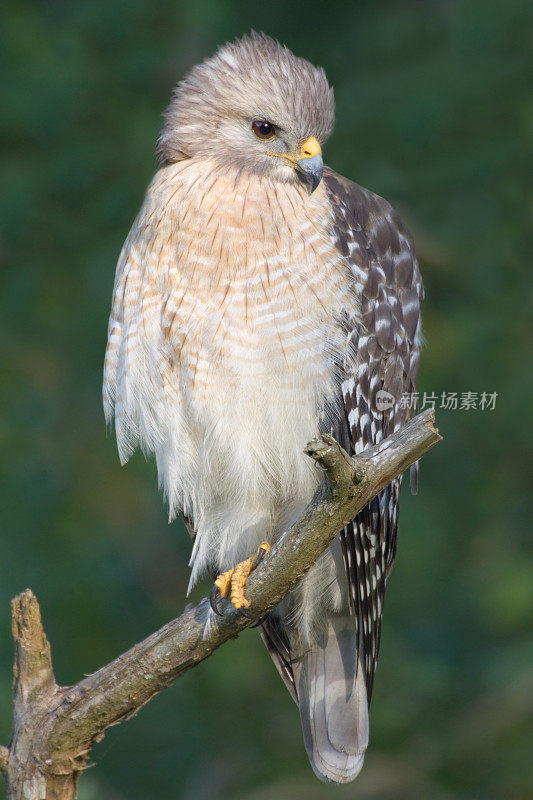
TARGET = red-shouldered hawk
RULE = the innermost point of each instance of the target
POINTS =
(261, 299)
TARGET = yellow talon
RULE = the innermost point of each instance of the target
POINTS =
(233, 580)
(224, 582)
(240, 573)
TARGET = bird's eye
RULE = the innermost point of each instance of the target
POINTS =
(263, 129)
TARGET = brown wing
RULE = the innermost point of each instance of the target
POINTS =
(381, 257)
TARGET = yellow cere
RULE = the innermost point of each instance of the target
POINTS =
(310, 148)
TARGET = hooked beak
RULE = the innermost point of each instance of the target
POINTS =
(310, 164)
(310, 171)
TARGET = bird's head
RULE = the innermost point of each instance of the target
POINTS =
(254, 105)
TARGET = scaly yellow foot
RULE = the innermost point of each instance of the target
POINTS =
(232, 581)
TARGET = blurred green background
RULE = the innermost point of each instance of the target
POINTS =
(434, 114)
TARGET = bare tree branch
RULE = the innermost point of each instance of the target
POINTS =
(55, 727)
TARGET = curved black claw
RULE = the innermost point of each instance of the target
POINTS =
(247, 614)
(259, 556)
(260, 621)
(214, 602)
(214, 599)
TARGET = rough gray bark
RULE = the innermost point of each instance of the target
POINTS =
(55, 727)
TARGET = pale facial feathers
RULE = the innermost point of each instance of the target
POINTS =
(254, 78)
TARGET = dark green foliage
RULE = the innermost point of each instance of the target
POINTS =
(433, 113)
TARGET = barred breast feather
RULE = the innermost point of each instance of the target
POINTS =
(226, 347)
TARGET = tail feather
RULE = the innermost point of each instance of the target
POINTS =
(333, 702)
